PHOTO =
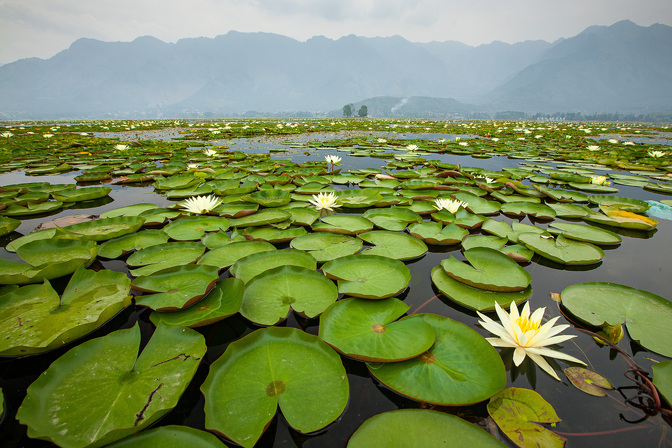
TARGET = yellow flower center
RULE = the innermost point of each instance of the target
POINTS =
(526, 324)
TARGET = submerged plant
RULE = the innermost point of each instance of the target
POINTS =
(201, 204)
(527, 336)
(452, 205)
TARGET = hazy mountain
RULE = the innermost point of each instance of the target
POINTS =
(622, 68)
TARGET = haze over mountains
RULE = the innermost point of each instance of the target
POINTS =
(622, 68)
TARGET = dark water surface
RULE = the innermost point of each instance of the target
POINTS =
(643, 260)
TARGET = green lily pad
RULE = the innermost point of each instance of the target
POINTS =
(194, 227)
(8, 225)
(224, 256)
(474, 298)
(490, 241)
(270, 368)
(593, 187)
(261, 218)
(122, 245)
(645, 315)
(620, 218)
(468, 220)
(81, 194)
(269, 198)
(562, 195)
(254, 264)
(34, 319)
(460, 368)
(410, 428)
(397, 245)
(32, 208)
(662, 379)
(588, 381)
(569, 210)
(176, 182)
(625, 204)
(129, 210)
(344, 224)
(362, 198)
(476, 204)
(327, 246)
(368, 276)
(270, 295)
(103, 229)
(539, 211)
(586, 233)
(561, 249)
(170, 436)
(395, 218)
(490, 270)
(124, 393)
(434, 233)
(273, 235)
(163, 256)
(366, 330)
(175, 288)
(221, 302)
(516, 410)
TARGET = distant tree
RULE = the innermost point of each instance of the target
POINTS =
(347, 110)
(363, 111)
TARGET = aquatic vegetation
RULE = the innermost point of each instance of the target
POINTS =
(450, 205)
(201, 204)
(324, 201)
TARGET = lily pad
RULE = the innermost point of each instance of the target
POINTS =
(32, 208)
(395, 218)
(662, 379)
(397, 245)
(645, 315)
(366, 330)
(261, 218)
(586, 233)
(122, 245)
(34, 319)
(189, 228)
(274, 368)
(410, 428)
(273, 235)
(123, 392)
(539, 211)
(254, 264)
(269, 198)
(129, 210)
(224, 256)
(490, 269)
(368, 276)
(270, 295)
(625, 204)
(588, 381)
(327, 246)
(461, 367)
(163, 256)
(474, 298)
(516, 410)
(561, 249)
(81, 194)
(103, 229)
(221, 302)
(175, 288)
(8, 225)
(170, 436)
(435, 233)
(344, 224)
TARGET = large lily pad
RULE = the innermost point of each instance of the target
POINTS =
(397, 245)
(194, 227)
(410, 428)
(586, 233)
(7, 225)
(326, 246)
(435, 233)
(221, 302)
(662, 379)
(269, 198)
(170, 436)
(254, 264)
(34, 319)
(122, 245)
(474, 298)
(561, 249)
(368, 276)
(647, 316)
(625, 204)
(261, 218)
(175, 288)
(273, 235)
(270, 295)
(490, 269)
(345, 224)
(163, 256)
(270, 368)
(103, 229)
(366, 330)
(224, 256)
(461, 367)
(81, 194)
(395, 218)
(102, 391)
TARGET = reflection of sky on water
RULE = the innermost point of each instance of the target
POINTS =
(641, 261)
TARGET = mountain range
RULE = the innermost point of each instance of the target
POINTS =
(622, 68)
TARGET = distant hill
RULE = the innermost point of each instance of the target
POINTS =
(620, 68)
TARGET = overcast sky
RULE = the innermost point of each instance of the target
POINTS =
(42, 28)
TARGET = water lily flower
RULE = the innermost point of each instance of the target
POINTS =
(7, 134)
(210, 152)
(629, 143)
(613, 140)
(333, 160)
(192, 166)
(324, 201)
(527, 336)
(656, 153)
(121, 147)
(486, 179)
(201, 204)
(599, 180)
(463, 143)
(381, 140)
(452, 205)
(47, 135)
(593, 148)
(442, 140)
(412, 147)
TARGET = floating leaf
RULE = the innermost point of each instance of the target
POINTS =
(662, 379)
(562, 250)
(327, 246)
(81, 194)
(122, 245)
(175, 288)
(490, 269)
(254, 264)
(435, 233)
(368, 276)
(163, 256)
(397, 245)
(344, 224)
(588, 381)
(170, 436)
(224, 256)
(585, 233)
(194, 227)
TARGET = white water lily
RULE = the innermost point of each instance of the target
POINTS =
(412, 147)
(527, 336)
(656, 153)
(201, 204)
(593, 148)
(47, 135)
(452, 205)
(210, 153)
(324, 201)
(333, 160)
(599, 180)
(381, 140)
(486, 179)
(121, 147)
(7, 134)
(192, 166)
(442, 140)
(613, 140)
